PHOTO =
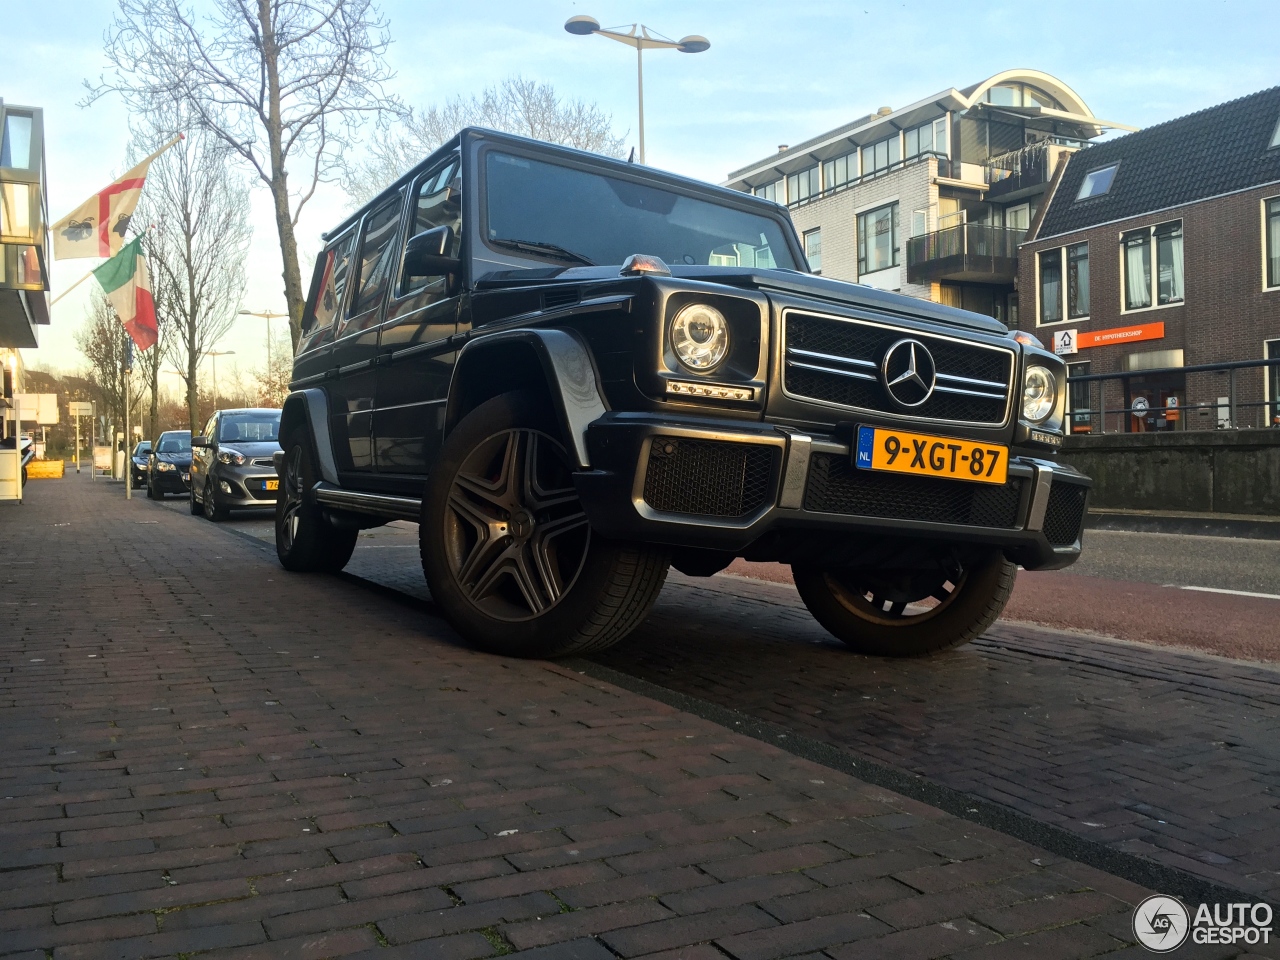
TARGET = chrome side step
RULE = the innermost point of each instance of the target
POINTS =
(377, 504)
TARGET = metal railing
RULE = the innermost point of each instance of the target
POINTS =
(966, 239)
(1234, 414)
(946, 168)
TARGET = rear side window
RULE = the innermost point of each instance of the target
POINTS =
(375, 256)
(335, 267)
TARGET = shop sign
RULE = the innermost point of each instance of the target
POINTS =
(1064, 341)
(1107, 338)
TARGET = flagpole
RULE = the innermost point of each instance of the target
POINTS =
(86, 276)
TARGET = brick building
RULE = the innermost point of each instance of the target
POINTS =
(1161, 250)
(933, 198)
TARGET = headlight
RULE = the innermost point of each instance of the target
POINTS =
(1039, 393)
(700, 337)
(164, 466)
(230, 456)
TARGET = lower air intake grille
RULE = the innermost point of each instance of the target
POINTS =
(708, 478)
(836, 486)
(1065, 513)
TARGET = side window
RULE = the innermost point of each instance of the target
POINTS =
(335, 267)
(211, 428)
(375, 257)
(437, 203)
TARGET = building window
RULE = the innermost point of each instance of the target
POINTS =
(878, 239)
(813, 249)
(839, 171)
(1078, 397)
(1096, 183)
(1077, 281)
(1064, 297)
(768, 191)
(882, 155)
(929, 138)
(1275, 137)
(1164, 242)
(1050, 286)
(1020, 95)
(803, 185)
(1273, 242)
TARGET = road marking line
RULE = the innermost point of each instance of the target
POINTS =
(1234, 593)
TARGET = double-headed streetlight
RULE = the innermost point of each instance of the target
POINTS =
(640, 37)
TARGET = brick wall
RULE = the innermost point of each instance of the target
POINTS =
(1226, 314)
(837, 215)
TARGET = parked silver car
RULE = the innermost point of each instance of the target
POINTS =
(231, 466)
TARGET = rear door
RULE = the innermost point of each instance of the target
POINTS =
(415, 355)
(325, 307)
(355, 345)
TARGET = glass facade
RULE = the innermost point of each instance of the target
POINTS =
(878, 239)
(881, 155)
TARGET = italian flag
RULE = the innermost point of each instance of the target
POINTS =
(124, 280)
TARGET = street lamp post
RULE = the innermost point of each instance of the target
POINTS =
(640, 37)
(268, 316)
(214, 355)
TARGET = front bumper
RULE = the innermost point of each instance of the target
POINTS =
(245, 487)
(728, 485)
(172, 481)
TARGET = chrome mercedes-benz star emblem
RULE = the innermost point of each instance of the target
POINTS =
(908, 373)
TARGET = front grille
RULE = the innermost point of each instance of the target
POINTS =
(710, 478)
(263, 462)
(836, 486)
(1064, 515)
(838, 361)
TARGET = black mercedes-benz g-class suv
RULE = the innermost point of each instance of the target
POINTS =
(573, 372)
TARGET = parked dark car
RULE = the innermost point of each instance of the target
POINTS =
(169, 464)
(138, 465)
(231, 465)
(574, 371)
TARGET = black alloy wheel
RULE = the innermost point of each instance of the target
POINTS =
(305, 541)
(516, 534)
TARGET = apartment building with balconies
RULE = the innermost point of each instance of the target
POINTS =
(932, 199)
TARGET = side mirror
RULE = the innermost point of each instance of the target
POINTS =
(424, 255)
(200, 442)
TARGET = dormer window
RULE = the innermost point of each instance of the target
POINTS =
(1097, 182)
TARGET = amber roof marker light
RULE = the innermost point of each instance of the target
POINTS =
(642, 38)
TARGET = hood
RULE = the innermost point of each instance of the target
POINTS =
(264, 448)
(184, 457)
(784, 281)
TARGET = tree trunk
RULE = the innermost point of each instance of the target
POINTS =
(292, 273)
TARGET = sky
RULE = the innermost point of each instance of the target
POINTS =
(775, 73)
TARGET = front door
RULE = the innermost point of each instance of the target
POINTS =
(355, 346)
(415, 354)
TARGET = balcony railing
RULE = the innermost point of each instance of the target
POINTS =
(1032, 166)
(946, 168)
(970, 251)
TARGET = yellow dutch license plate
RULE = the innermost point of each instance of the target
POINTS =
(900, 452)
(270, 484)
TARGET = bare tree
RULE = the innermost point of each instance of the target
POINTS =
(283, 83)
(517, 105)
(200, 210)
(273, 379)
(102, 341)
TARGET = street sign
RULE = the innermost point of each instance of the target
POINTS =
(1064, 342)
(42, 408)
(1140, 406)
(79, 408)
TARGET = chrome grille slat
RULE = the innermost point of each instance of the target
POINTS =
(974, 380)
(843, 373)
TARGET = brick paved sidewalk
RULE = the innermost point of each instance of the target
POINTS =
(201, 752)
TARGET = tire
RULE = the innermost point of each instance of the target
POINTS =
(305, 541)
(507, 550)
(151, 491)
(196, 508)
(868, 610)
(213, 510)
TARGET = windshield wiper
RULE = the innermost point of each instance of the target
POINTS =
(538, 246)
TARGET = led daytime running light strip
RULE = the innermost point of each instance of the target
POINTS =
(711, 391)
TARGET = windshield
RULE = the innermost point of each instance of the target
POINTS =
(249, 427)
(174, 443)
(599, 219)
(142, 449)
